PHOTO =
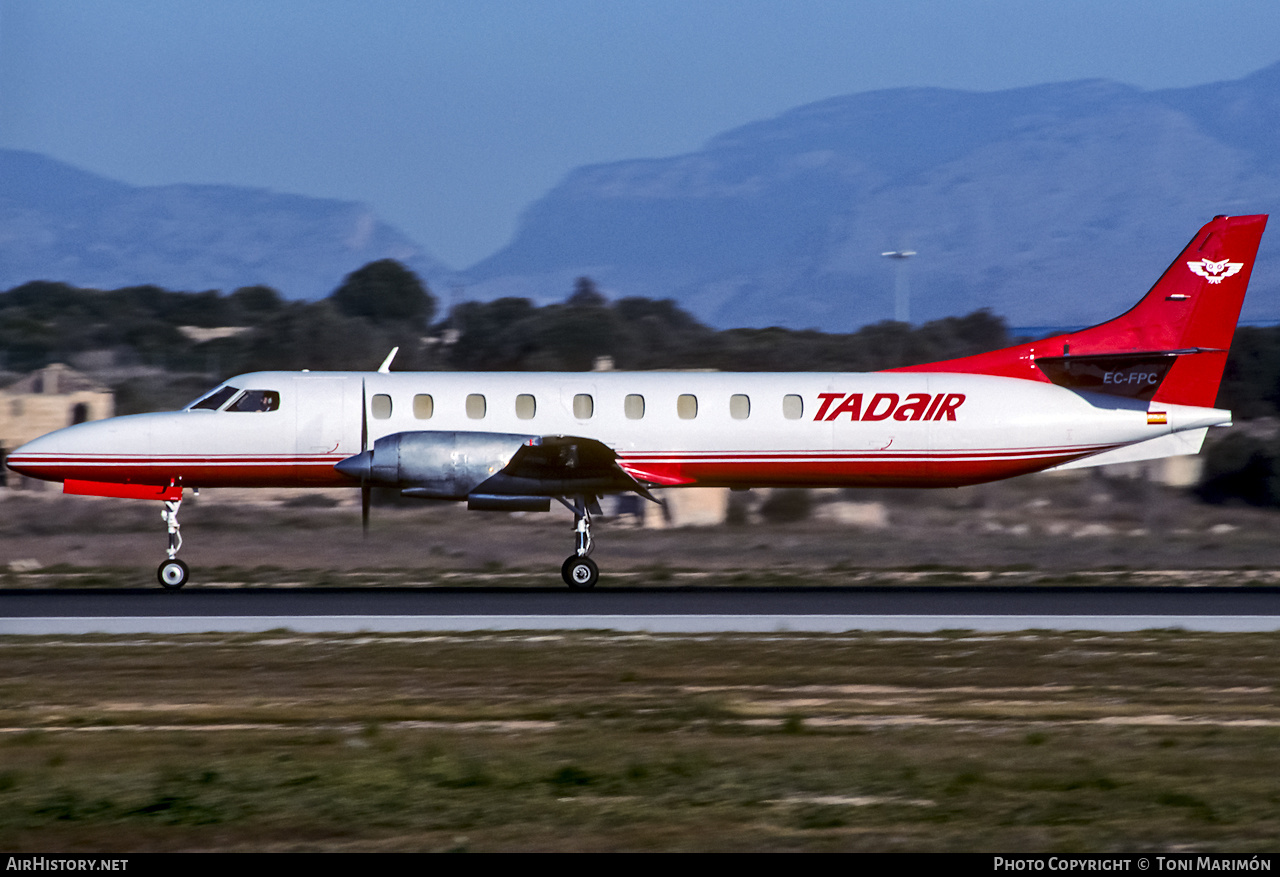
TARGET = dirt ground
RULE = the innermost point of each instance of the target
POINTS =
(1039, 525)
(1034, 741)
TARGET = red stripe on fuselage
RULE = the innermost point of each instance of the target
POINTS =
(820, 468)
(246, 471)
(863, 469)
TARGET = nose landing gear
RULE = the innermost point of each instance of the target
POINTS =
(173, 573)
(579, 571)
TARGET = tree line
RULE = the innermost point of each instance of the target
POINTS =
(384, 305)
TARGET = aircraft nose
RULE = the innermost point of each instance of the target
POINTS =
(37, 458)
(359, 466)
(115, 449)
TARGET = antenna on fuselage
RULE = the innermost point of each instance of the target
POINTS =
(385, 368)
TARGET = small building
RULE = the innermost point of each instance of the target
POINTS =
(687, 507)
(51, 398)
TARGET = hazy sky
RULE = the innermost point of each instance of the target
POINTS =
(451, 116)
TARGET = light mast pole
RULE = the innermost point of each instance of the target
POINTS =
(901, 288)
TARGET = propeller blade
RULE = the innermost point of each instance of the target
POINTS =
(364, 418)
(366, 492)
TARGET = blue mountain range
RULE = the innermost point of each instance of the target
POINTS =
(1057, 204)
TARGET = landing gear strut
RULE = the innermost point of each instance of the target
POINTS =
(173, 573)
(579, 571)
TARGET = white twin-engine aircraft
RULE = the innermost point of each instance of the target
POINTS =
(1137, 387)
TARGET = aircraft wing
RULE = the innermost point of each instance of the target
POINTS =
(563, 464)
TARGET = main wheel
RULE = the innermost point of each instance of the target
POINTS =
(173, 574)
(580, 572)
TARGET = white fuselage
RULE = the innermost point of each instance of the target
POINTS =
(668, 428)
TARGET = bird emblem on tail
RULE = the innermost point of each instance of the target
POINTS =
(1214, 272)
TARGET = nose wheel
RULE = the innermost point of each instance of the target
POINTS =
(173, 573)
(579, 571)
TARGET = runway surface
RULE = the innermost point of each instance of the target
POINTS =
(684, 610)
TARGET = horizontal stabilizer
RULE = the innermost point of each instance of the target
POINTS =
(1175, 444)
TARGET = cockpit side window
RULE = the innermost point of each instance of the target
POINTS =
(256, 400)
(214, 400)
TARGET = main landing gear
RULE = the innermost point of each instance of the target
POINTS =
(579, 571)
(173, 573)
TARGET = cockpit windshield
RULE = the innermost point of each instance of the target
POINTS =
(213, 401)
(256, 400)
(247, 400)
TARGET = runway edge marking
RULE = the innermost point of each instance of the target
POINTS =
(44, 626)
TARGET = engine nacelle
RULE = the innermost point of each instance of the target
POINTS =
(436, 465)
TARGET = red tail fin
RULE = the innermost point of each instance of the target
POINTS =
(1190, 315)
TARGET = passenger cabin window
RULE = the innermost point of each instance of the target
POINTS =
(739, 406)
(380, 407)
(526, 406)
(476, 406)
(423, 406)
(687, 407)
(792, 407)
(633, 407)
(214, 400)
(583, 406)
(256, 400)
